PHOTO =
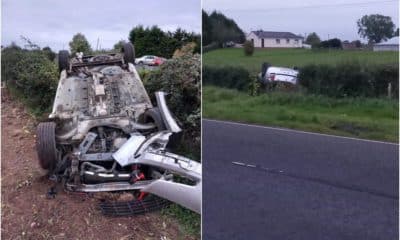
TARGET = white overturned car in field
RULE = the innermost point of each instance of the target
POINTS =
(104, 134)
(272, 74)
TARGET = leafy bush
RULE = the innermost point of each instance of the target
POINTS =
(248, 48)
(32, 75)
(79, 43)
(228, 77)
(350, 79)
(180, 77)
(331, 43)
(49, 53)
(10, 57)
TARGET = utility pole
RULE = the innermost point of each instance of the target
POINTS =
(97, 45)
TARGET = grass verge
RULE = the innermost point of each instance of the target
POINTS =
(375, 119)
(188, 220)
(33, 110)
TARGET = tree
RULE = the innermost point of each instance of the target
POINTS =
(217, 28)
(331, 43)
(375, 27)
(49, 53)
(206, 28)
(357, 43)
(119, 44)
(154, 41)
(148, 41)
(29, 44)
(248, 48)
(313, 39)
(79, 43)
(396, 33)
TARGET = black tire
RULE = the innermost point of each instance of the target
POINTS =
(264, 68)
(63, 60)
(46, 145)
(129, 53)
(154, 115)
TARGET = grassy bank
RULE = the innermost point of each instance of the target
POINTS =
(190, 222)
(354, 117)
(294, 57)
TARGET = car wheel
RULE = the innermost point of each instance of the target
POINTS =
(46, 145)
(154, 115)
(63, 60)
(129, 53)
(264, 68)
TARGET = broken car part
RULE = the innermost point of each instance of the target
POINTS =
(104, 134)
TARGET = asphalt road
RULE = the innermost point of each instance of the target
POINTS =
(288, 184)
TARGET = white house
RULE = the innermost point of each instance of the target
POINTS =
(390, 45)
(267, 39)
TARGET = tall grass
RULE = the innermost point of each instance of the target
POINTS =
(356, 117)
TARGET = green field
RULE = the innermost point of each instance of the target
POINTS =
(355, 117)
(293, 57)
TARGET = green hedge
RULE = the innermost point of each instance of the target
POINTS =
(31, 75)
(227, 77)
(180, 78)
(350, 79)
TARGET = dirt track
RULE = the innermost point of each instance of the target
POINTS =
(27, 213)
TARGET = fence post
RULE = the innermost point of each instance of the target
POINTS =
(389, 90)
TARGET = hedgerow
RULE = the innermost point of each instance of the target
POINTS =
(31, 74)
(351, 80)
(180, 78)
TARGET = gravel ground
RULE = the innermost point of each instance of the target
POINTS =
(27, 213)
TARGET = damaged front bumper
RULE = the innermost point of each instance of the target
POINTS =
(151, 151)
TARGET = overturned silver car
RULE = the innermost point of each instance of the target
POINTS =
(271, 74)
(104, 134)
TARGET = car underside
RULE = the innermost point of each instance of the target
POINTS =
(104, 134)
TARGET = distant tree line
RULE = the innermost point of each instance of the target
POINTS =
(154, 41)
(315, 42)
(375, 28)
(219, 29)
(147, 41)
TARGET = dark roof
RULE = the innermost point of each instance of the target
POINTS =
(268, 34)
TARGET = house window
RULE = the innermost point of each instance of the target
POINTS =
(287, 40)
(296, 41)
(252, 41)
(278, 41)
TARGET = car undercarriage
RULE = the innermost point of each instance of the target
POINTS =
(105, 135)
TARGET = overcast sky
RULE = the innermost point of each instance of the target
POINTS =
(328, 18)
(53, 23)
